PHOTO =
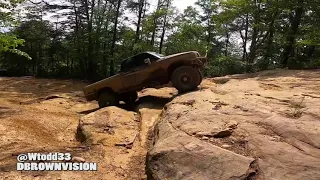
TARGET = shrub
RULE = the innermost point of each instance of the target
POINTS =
(223, 65)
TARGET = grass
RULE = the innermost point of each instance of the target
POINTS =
(296, 109)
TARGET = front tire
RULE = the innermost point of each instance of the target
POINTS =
(186, 78)
(130, 97)
(107, 99)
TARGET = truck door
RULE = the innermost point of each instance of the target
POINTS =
(142, 74)
(132, 79)
(149, 74)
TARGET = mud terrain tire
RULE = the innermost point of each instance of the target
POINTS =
(186, 78)
(130, 97)
(107, 99)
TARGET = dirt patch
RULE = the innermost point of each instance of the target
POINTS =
(39, 115)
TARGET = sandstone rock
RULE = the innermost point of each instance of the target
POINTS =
(232, 124)
(259, 142)
(78, 159)
(226, 146)
(108, 126)
(52, 97)
(179, 156)
(224, 133)
(205, 138)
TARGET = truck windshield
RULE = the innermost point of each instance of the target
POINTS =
(157, 55)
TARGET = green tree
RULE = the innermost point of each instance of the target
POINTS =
(9, 41)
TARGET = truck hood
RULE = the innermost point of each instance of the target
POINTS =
(179, 54)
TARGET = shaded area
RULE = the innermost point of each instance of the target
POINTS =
(156, 102)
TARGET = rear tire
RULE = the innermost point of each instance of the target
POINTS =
(130, 97)
(186, 78)
(107, 99)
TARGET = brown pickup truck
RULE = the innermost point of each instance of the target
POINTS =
(147, 70)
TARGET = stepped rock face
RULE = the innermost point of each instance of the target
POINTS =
(257, 126)
(265, 126)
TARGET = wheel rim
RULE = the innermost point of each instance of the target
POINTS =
(185, 78)
(106, 100)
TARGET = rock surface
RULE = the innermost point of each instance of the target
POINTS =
(108, 124)
(261, 126)
(256, 126)
(46, 120)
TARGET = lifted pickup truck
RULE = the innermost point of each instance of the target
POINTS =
(147, 70)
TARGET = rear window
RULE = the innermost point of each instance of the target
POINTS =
(138, 61)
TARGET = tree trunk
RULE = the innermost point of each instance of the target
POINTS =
(143, 16)
(311, 51)
(227, 40)
(141, 5)
(33, 61)
(90, 55)
(40, 59)
(155, 20)
(163, 34)
(100, 19)
(255, 33)
(270, 38)
(164, 27)
(253, 46)
(295, 22)
(105, 59)
(209, 32)
(114, 39)
(245, 38)
(77, 36)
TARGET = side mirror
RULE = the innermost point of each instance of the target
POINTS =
(147, 61)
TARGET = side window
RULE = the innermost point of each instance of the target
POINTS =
(125, 65)
(152, 58)
(139, 60)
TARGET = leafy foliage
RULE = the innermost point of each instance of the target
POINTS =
(9, 42)
(89, 38)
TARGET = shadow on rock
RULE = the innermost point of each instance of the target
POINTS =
(145, 101)
(156, 102)
(89, 111)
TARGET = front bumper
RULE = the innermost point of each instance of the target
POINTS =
(200, 62)
(204, 60)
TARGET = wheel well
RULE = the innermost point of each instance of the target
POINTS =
(173, 67)
(106, 89)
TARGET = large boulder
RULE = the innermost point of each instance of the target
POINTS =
(110, 126)
(176, 155)
(258, 128)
